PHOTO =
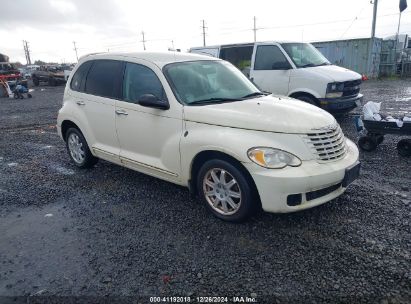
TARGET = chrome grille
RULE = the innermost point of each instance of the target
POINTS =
(327, 145)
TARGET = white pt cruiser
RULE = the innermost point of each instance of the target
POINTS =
(199, 122)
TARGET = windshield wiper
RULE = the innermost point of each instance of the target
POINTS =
(213, 100)
(308, 65)
(254, 94)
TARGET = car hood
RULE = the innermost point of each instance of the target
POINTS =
(268, 113)
(334, 73)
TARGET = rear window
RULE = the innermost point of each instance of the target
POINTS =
(78, 80)
(104, 79)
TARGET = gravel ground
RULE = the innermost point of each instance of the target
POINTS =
(114, 232)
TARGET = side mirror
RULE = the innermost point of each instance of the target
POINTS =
(282, 65)
(151, 101)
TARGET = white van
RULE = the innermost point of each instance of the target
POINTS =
(197, 121)
(293, 69)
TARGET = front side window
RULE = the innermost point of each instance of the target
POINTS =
(140, 80)
(78, 80)
(208, 81)
(270, 57)
(304, 55)
(104, 79)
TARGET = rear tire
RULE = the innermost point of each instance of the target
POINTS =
(367, 143)
(78, 149)
(404, 147)
(226, 191)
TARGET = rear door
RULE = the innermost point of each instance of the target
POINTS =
(270, 68)
(149, 137)
(102, 88)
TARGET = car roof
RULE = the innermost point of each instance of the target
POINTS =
(159, 58)
(244, 44)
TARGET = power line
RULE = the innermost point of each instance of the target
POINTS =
(355, 19)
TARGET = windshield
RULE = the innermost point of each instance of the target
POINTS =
(208, 81)
(304, 55)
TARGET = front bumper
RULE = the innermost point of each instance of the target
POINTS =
(275, 185)
(341, 104)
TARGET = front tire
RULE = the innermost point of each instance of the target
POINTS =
(226, 191)
(78, 149)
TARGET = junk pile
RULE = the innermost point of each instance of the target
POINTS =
(371, 111)
(375, 125)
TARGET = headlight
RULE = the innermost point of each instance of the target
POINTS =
(273, 158)
(335, 90)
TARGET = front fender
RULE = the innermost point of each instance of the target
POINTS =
(234, 142)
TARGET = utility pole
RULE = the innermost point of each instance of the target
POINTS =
(255, 29)
(27, 51)
(75, 49)
(143, 41)
(204, 33)
(374, 18)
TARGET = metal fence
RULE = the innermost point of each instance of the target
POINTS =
(360, 55)
(371, 57)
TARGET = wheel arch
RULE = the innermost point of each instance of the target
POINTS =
(67, 124)
(303, 93)
(206, 155)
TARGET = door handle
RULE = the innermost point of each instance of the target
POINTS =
(80, 103)
(121, 112)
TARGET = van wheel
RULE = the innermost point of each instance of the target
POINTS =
(225, 190)
(308, 99)
(78, 149)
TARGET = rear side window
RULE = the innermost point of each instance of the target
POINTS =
(269, 57)
(140, 80)
(79, 78)
(104, 79)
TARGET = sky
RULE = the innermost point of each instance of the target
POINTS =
(51, 26)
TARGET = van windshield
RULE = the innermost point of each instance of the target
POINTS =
(207, 81)
(304, 55)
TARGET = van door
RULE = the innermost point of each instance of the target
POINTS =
(102, 88)
(149, 138)
(270, 69)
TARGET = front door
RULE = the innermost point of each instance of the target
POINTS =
(270, 69)
(149, 138)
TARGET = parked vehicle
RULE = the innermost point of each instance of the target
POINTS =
(53, 75)
(10, 74)
(197, 121)
(293, 69)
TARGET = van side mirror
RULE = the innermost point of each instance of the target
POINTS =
(281, 65)
(152, 101)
